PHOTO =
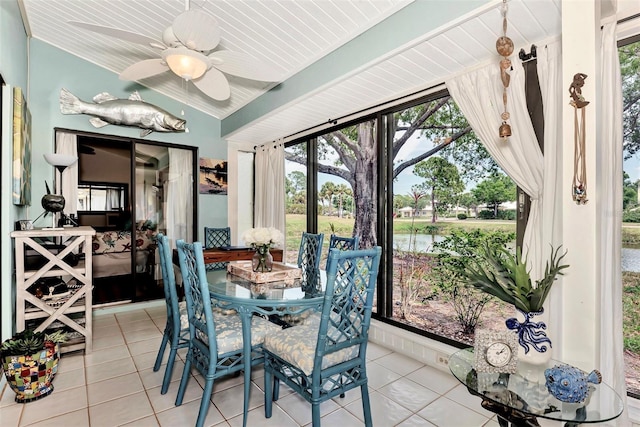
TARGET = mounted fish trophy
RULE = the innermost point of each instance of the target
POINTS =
(107, 109)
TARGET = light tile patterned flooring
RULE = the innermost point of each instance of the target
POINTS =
(116, 386)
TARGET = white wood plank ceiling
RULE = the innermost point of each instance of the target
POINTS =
(291, 35)
(287, 34)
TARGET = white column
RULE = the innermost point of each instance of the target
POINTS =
(580, 287)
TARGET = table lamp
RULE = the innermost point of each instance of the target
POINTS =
(60, 162)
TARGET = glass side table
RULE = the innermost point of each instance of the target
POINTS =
(520, 402)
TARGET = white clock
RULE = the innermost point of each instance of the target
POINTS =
(498, 354)
(496, 351)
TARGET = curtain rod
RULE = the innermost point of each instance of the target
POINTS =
(336, 120)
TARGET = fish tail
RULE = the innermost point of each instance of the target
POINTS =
(69, 103)
(595, 377)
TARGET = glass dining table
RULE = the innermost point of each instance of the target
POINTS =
(520, 401)
(271, 300)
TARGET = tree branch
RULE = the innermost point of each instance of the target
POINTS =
(402, 166)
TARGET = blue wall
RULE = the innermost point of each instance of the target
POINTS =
(53, 69)
(13, 68)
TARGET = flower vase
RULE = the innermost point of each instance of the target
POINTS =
(535, 347)
(262, 260)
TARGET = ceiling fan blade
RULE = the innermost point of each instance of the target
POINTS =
(197, 30)
(143, 69)
(242, 65)
(214, 84)
(117, 33)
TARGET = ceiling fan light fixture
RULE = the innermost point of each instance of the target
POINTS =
(186, 63)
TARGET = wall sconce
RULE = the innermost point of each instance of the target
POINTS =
(186, 63)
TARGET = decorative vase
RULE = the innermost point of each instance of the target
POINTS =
(262, 260)
(535, 346)
(30, 376)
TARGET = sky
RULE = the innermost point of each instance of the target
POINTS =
(407, 179)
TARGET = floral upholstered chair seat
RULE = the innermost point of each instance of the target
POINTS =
(229, 331)
(297, 345)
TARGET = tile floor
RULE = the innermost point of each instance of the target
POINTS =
(116, 386)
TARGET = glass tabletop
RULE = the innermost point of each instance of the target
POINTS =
(532, 398)
(228, 286)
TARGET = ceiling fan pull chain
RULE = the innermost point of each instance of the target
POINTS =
(186, 89)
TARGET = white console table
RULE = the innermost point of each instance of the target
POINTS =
(73, 309)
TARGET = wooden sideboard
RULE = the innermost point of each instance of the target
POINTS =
(222, 255)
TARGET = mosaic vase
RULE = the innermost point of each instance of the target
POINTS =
(30, 376)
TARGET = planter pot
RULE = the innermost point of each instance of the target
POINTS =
(534, 351)
(30, 376)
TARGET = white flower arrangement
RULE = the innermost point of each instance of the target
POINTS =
(263, 237)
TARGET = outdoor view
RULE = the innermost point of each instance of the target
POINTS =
(447, 197)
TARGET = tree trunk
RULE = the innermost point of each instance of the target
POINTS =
(364, 186)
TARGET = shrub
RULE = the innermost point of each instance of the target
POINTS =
(507, 215)
(485, 214)
(453, 253)
(631, 216)
(462, 216)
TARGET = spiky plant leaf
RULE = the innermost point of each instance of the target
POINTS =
(505, 276)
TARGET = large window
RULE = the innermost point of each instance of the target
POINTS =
(630, 69)
(407, 179)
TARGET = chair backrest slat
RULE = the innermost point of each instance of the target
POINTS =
(309, 261)
(342, 243)
(346, 314)
(215, 237)
(168, 281)
(194, 277)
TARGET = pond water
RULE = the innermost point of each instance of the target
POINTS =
(423, 243)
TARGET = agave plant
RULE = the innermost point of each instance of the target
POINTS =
(505, 276)
(30, 342)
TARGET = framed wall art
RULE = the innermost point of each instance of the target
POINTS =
(213, 176)
(21, 149)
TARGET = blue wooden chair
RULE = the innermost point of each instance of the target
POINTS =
(325, 360)
(309, 261)
(342, 243)
(176, 330)
(215, 238)
(215, 339)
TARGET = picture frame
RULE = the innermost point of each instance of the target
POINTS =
(495, 351)
(21, 182)
(213, 176)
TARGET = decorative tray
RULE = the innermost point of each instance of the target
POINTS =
(279, 272)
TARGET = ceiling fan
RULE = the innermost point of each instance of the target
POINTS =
(187, 49)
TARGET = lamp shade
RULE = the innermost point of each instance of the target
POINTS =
(60, 161)
(186, 63)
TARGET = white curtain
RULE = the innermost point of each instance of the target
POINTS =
(610, 213)
(478, 93)
(269, 187)
(179, 194)
(66, 143)
(550, 76)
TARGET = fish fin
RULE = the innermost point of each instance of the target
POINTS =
(98, 123)
(135, 96)
(145, 132)
(103, 97)
(69, 103)
(595, 377)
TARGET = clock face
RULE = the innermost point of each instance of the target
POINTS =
(498, 354)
